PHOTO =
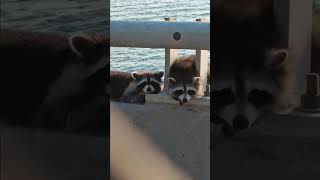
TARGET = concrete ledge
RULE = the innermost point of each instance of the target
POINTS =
(265, 161)
(165, 99)
(278, 147)
(182, 132)
(297, 126)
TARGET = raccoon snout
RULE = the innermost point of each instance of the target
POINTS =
(185, 100)
(149, 89)
(240, 122)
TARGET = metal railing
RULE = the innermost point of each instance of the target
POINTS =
(170, 35)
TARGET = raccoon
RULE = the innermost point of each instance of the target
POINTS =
(251, 63)
(184, 80)
(132, 87)
(48, 74)
(243, 89)
(77, 86)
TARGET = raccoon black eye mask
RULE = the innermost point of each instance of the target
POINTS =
(225, 96)
(191, 92)
(150, 88)
(148, 83)
(260, 98)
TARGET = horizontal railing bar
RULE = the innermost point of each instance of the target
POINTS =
(159, 34)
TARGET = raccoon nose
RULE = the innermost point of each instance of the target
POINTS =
(240, 122)
(149, 89)
(185, 100)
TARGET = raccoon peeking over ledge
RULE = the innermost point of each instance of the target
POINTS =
(132, 87)
(184, 80)
(47, 75)
(253, 69)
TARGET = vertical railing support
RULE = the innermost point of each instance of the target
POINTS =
(170, 56)
(202, 63)
(294, 19)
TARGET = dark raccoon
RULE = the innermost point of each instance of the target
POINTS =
(251, 56)
(46, 75)
(132, 87)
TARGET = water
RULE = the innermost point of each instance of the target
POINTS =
(146, 59)
(69, 16)
(92, 15)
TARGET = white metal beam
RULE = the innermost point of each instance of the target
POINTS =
(295, 21)
(159, 34)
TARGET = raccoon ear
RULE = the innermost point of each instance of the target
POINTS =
(196, 80)
(134, 75)
(160, 74)
(172, 80)
(81, 45)
(276, 58)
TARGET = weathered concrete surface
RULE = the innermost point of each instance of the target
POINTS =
(182, 132)
(279, 147)
(163, 98)
(29, 155)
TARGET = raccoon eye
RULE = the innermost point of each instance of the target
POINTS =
(154, 84)
(223, 97)
(260, 98)
(178, 92)
(142, 85)
(191, 92)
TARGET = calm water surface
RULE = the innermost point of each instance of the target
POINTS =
(55, 15)
(92, 15)
(145, 59)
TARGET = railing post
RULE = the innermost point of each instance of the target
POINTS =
(202, 63)
(294, 18)
(170, 56)
(310, 101)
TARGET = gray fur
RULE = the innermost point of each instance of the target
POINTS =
(183, 79)
(132, 87)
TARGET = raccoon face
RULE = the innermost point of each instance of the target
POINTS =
(183, 91)
(250, 87)
(148, 83)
